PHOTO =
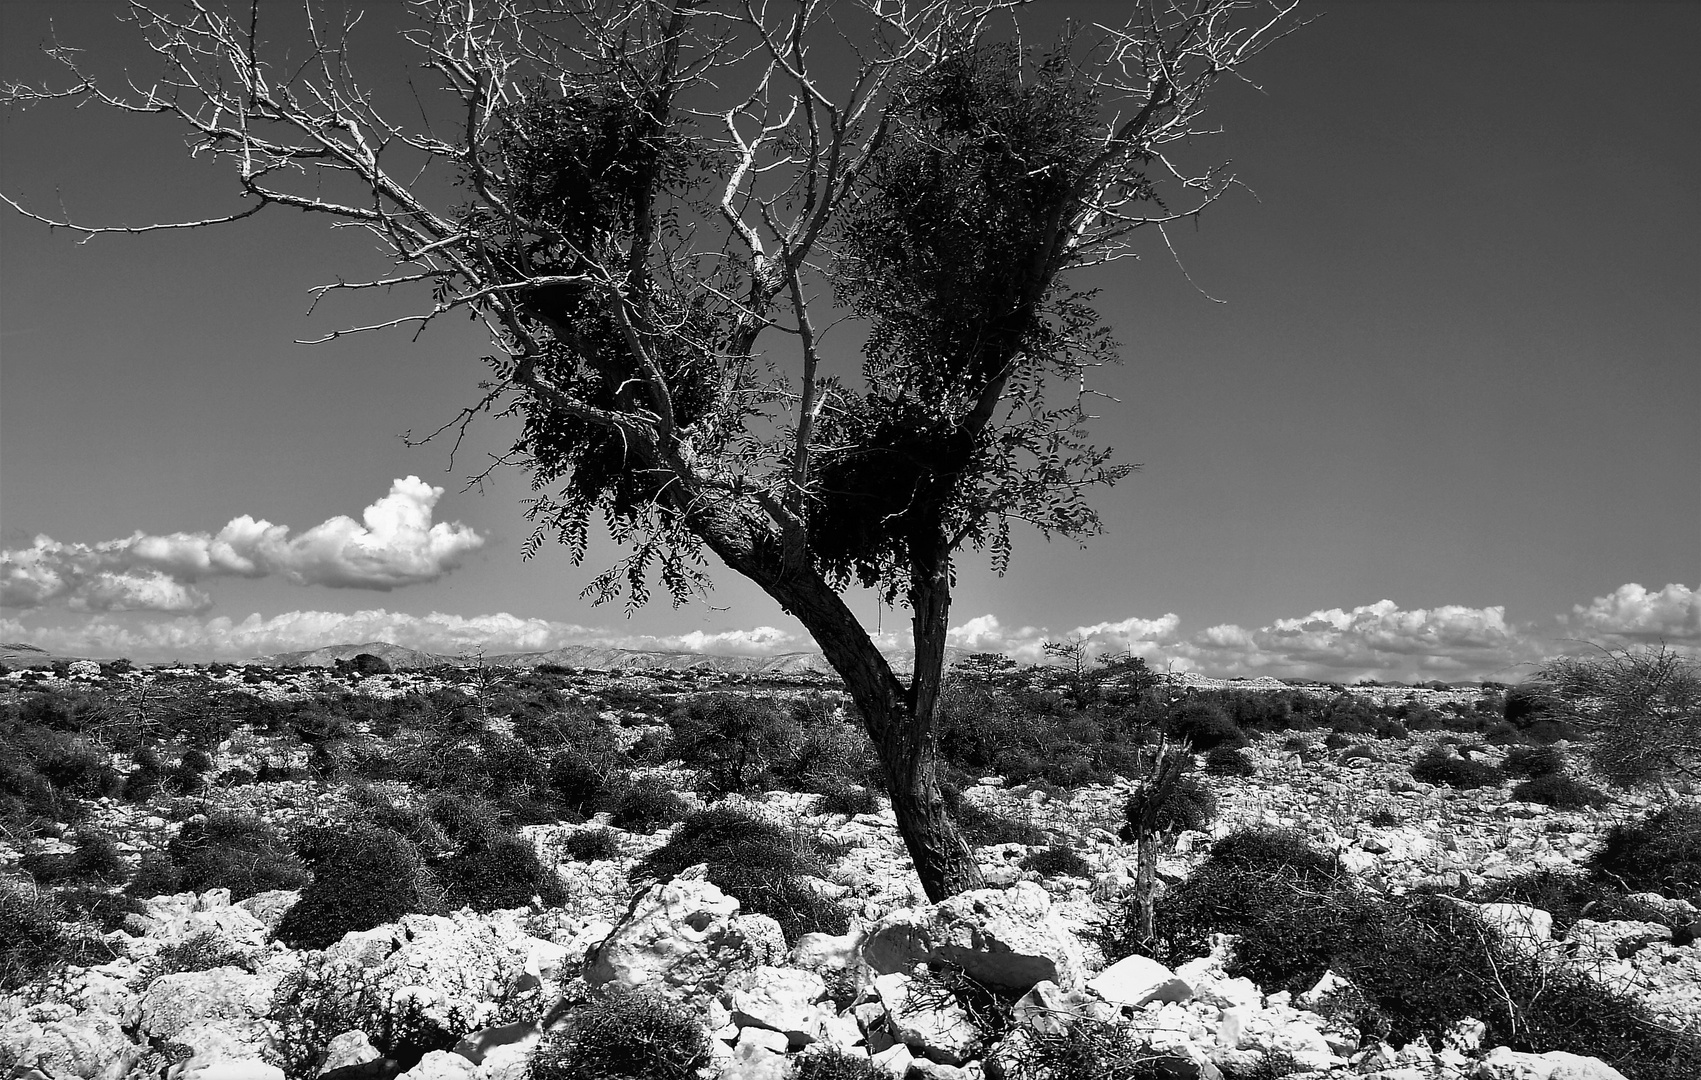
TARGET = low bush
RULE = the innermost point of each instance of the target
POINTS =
(591, 845)
(499, 872)
(31, 938)
(1660, 853)
(229, 850)
(1436, 766)
(1058, 860)
(362, 876)
(621, 1035)
(1101, 1050)
(647, 804)
(1569, 895)
(95, 859)
(1204, 726)
(1224, 761)
(587, 777)
(1188, 804)
(754, 860)
(735, 741)
(835, 1064)
(1558, 791)
(849, 801)
(982, 826)
(1533, 761)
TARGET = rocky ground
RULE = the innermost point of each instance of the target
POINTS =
(769, 1003)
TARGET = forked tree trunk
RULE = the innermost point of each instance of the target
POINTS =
(892, 713)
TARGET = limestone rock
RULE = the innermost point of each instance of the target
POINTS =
(1504, 1064)
(932, 1026)
(227, 996)
(779, 999)
(87, 1045)
(349, 1048)
(1009, 938)
(681, 940)
(441, 1065)
(1135, 980)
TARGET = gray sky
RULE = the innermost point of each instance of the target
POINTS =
(1457, 369)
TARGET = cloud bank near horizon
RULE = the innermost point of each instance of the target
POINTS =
(394, 545)
(1372, 641)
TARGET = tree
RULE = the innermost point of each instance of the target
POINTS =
(1641, 706)
(652, 204)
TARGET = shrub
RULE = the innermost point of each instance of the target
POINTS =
(1358, 752)
(849, 801)
(754, 860)
(1204, 726)
(647, 804)
(1086, 1048)
(1642, 705)
(1559, 791)
(234, 851)
(1436, 766)
(836, 1064)
(96, 858)
(585, 778)
(1056, 861)
(1569, 895)
(500, 872)
(1526, 703)
(1660, 853)
(450, 818)
(31, 939)
(198, 952)
(1533, 761)
(982, 826)
(734, 740)
(1189, 804)
(362, 876)
(591, 845)
(1224, 761)
(621, 1035)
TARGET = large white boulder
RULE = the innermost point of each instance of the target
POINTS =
(1003, 937)
(1502, 1063)
(1135, 980)
(682, 940)
(228, 999)
(779, 999)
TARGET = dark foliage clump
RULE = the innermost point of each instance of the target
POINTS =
(647, 804)
(1225, 761)
(1204, 726)
(499, 872)
(1058, 860)
(621, 1035)
(224, 850)
(362, 876)
(836, 1064)
(754, 860)
(1661, 853)
(1436, 766)
(1186, 804)
(849, 801)
(735, 741)
(95, 860)
(1558, 791)
(1086, 1048)
(982, 826)
(1533, 761)
(33, 939)
(591, 845)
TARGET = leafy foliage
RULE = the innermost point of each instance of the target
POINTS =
(621, 1035)
(363, 875)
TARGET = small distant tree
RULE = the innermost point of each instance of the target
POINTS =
(653, 205)
(1640, 706)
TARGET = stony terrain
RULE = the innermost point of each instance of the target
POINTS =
(194, 985)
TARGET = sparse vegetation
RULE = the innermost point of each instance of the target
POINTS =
(620, 1035)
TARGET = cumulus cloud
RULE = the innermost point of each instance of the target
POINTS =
(394, 544)
(1631, 613)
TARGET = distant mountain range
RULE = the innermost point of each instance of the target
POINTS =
(575, 656)
(20, 654)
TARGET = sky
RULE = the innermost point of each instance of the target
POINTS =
(1422, 406)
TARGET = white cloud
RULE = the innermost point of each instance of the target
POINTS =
(395, 544)
(1631, 613)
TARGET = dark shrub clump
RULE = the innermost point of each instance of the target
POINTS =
(1188, 804)
(849, 801)
(1559, 791)
(622, 1035)
(1225, 761)
(1661, 853)
(1055, 861)
(648, 804)
(1204, 726)
(734, 740)
(835, 1064)
(754, 860)
(591, 845)
(227, 850)
(499, 872)
(1533, 761)
(1436, 766)
(363, 875)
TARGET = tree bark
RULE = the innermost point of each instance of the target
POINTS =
(902, 734)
